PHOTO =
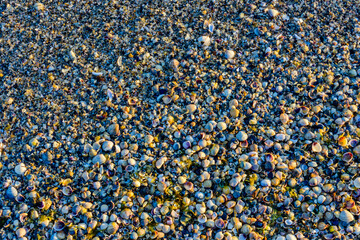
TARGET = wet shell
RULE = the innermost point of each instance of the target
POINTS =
(346, 216)
(316, 147)
(67, 190)
(357, 182)
(229, 54)
(59, 225)
(204, 40)
(342, 141)
(347, 157)
(273, 13)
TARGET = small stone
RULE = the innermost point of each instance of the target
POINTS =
(357, 182)
(303, 122)
(234, 112)
(174, 64)
(39, 6)
(112, 228)
(204, 40)
(20, 169)
(241, 136)
(214, 150)
(357, 150)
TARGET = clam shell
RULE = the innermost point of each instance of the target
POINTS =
(273, 13)
(316, 147)
(204, 40)
(347, 157)
(59, 225)
(67, 190)
(346, 216)
(357, 182)
(229, 54)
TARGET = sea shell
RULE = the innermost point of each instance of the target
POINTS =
(107, 145)
(204, 40)
(273, 12)
(316, 147)
(347, 157)
(346, 216)
(229, 54)
(357, 182)
(20, 169)
(67, 190)
(211, 27)
(59, 225)
(342, 141)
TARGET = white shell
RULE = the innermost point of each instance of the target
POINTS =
(110, 94)
(20, 169)
(273, 12)
(229, 54)
(191, 107)
(107, 145)
(290, 237)
(204, 40)
(39, 6)
(211, 27)
(99, 159)
(97, 73)
(346, 216)
(357, 182)
(316, 147)
(119, 61)
(72, 55)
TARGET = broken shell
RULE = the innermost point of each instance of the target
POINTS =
(204, 40)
